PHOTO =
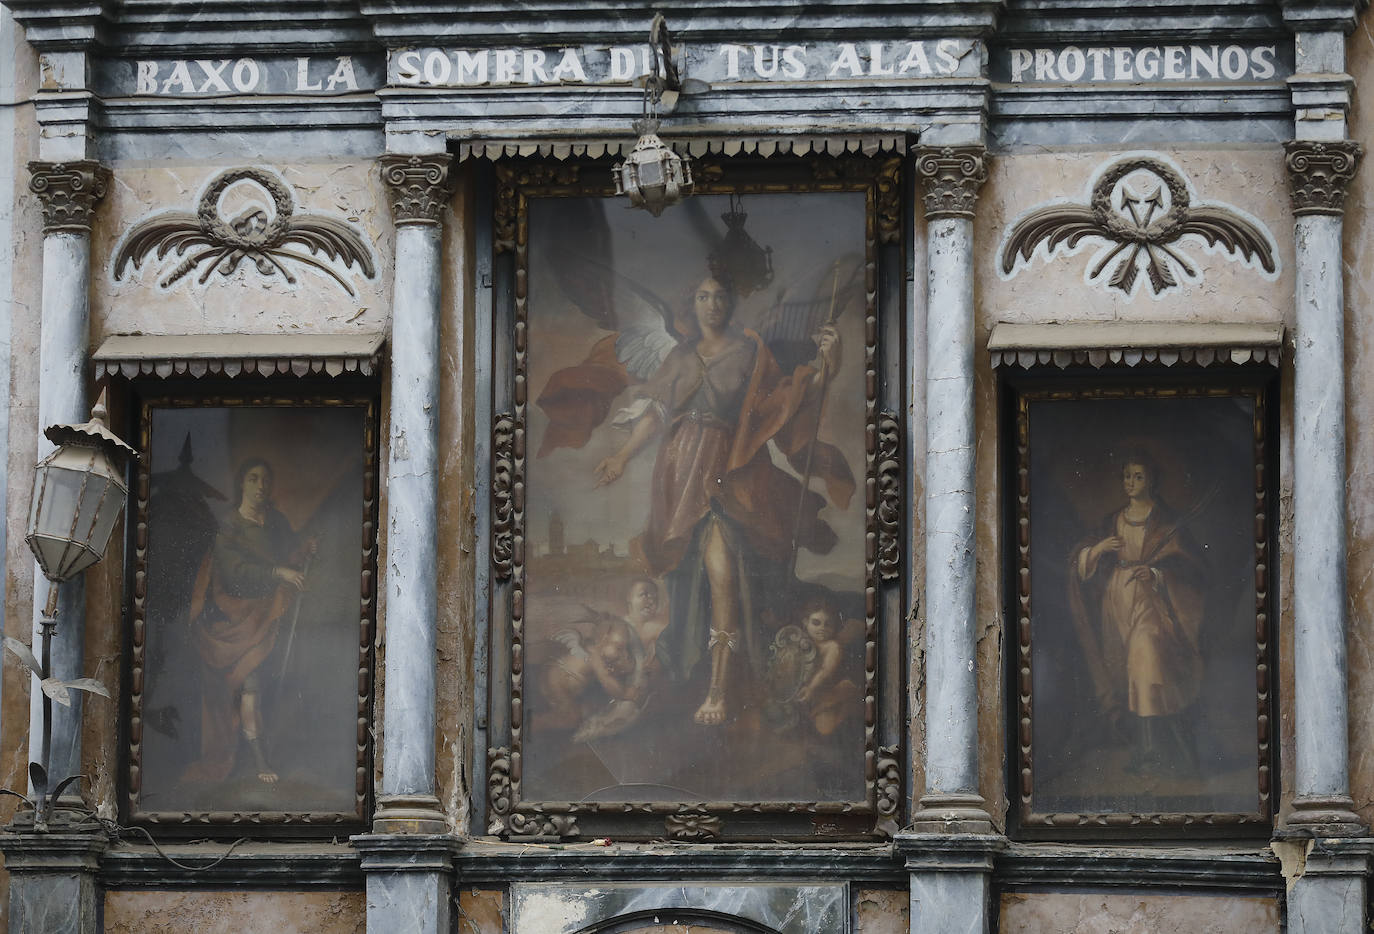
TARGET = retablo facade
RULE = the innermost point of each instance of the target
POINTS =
(881, 467)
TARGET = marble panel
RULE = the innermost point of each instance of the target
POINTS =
(144, 912)
(788, 909)
(1136, 914)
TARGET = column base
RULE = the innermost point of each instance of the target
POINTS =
(1324, 816)
(418, 814)
(952, 814)
(1328, 895)
(52, 877)
(951, 880)
(409, 881)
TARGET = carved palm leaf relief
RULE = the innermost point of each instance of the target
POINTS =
(1141, 212)
(270, 235)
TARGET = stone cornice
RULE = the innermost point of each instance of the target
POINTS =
(1322, 15)
(492, 22)
(951, 176)
(417, 186)
(1318, 174)
(61, 26)
(70, 192)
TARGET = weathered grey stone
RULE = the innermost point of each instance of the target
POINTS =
(52, 887)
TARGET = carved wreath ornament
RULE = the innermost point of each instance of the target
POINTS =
(211, 242)
(1141, 210)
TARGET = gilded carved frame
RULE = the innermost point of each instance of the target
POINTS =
(1028, 588)
(510, 813)
(273, 394)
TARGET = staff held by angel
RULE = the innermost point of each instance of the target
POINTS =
(725, 522)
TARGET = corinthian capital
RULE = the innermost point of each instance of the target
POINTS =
(952, 176)
(69, 191)
(418, 186)
(1318, 174)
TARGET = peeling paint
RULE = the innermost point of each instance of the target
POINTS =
(1292, 856)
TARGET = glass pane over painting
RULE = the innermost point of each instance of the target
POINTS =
(695, 566)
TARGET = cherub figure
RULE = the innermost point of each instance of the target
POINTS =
(601, 682)
(805, 672)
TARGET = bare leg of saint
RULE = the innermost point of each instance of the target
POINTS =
(720, 575)
(252, 728)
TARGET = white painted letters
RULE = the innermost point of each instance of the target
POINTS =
(303, 82)
(1073, 64)
(342, 74)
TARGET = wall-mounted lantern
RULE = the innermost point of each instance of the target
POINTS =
(79, 494)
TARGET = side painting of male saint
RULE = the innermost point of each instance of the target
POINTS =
(250, 651)
(1143, 557)
(699, 432)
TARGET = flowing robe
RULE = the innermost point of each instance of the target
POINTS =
(237, 606)
(1141, 636)
(714, 470)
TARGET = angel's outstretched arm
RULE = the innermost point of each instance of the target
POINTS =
(610, 469)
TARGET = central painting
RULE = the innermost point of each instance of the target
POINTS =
(693, 617)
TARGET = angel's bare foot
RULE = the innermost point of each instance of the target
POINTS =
(712, 710)
(269, 778)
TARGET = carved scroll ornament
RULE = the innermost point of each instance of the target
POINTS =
(69, 192)
(889, 501)
(1140, 229)
(952, 176)
(502, 496)
(1318, 174)
(220, 244)
(418, 186)
(692, 826)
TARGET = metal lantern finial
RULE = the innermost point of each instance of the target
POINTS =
(652, 175)
(78, 495)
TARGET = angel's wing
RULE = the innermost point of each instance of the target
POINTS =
(643, 321)
(1057, 224)
(171, 232)
(1221, 227)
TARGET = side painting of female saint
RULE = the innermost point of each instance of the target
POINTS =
(695, 549)
(249, 655)
(1143, 562)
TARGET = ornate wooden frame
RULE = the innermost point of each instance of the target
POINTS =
(509, 813)
(265, 393)
(1255, 382)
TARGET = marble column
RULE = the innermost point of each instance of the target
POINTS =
(407, 857)
(69, 193)
(951, 803)
(1319, 173)
(419, 188)
(951, 881)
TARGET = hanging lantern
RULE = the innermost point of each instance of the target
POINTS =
(78, 495)
(652, 175)
(739, 257)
